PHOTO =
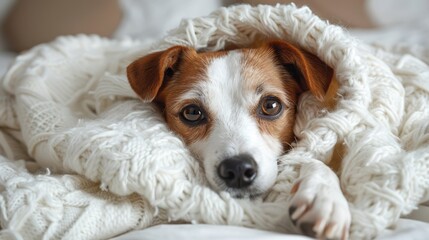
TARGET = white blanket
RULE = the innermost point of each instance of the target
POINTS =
(68, 106)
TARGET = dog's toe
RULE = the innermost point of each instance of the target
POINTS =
(292, 210)
(307, 229)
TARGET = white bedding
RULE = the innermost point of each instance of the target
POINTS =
(414, 38)
(416, 228)
(405, 229)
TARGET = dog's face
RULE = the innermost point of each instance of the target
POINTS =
(234, 109)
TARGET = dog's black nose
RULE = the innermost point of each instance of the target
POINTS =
(238, 171)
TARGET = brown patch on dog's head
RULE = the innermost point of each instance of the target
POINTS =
(162, 77)
(267, 78)
(281, 70)
(148, 74)
(310, 72)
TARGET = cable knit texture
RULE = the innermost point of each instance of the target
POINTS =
(83, 158)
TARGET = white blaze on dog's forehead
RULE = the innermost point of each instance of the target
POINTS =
(222, 79)
(225, 86)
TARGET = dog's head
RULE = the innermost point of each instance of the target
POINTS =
(234, 109)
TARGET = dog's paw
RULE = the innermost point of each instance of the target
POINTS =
(319, 209)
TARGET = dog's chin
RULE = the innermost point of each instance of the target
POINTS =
(244, 193)
(250, 192)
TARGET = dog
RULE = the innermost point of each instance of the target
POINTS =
(235, 110)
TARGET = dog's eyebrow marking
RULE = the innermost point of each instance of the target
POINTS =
(259, 89)
(195, 93)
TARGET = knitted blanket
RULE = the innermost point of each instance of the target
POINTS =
(82, 158)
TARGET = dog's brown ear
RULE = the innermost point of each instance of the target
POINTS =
(311, 73)
(147, 74)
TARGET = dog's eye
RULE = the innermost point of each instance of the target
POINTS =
(192, 115)
(270, 107)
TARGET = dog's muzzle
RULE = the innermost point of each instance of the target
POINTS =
(238, 171)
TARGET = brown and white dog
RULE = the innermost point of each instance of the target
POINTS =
(236, 110)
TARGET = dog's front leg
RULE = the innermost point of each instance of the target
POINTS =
(318, 207)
